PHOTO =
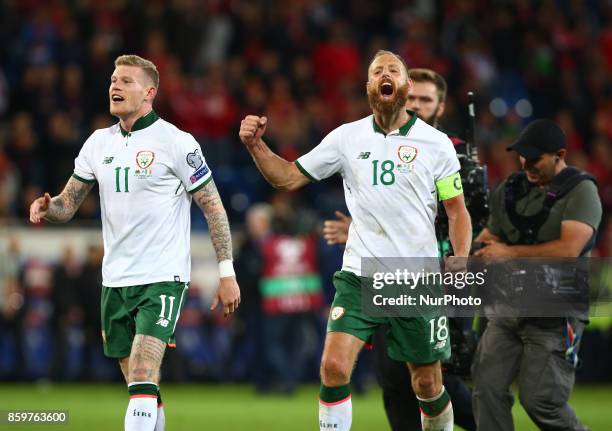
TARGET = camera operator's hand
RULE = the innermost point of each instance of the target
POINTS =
(495, 249)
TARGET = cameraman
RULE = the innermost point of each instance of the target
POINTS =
(426, 99)
(546, 210)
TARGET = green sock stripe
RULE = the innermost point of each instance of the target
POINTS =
(143, 389)
(331, 395)
(159, 400)
(434, 408)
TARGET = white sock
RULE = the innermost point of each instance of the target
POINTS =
(141, 413)
(336, 416)
(443, 421)
(160, 425)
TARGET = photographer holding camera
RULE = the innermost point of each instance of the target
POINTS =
(546, 210)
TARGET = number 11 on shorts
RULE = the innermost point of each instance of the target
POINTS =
(163, 306)
(441, 332)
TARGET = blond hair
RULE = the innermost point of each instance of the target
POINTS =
(382, 52)
(146, 65)
(428, 75)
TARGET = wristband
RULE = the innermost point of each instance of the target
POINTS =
(226, 269)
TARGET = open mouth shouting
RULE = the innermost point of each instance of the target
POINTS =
(387, 90)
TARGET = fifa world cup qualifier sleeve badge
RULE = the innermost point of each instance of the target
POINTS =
(195, 161)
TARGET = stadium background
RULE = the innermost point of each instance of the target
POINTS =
(302, 63)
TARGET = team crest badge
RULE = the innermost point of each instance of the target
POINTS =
(144, 159)
(337, 313)
(407, 154)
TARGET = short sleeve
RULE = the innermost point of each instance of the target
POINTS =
(190, 165)
(583, 204)
(83, 168)
(448, 164)
(324, 160)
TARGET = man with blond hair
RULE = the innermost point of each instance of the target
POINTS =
(394, 167)
(148, 171)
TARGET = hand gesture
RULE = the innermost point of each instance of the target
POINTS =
(39, 208)
(228, 293)
(252, 129)
(336, 231)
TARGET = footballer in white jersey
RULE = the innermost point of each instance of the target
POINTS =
(395, 168)
(147, 171)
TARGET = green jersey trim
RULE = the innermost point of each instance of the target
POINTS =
(449, 187)
(141, 123)
(406, 127)
(83, 180)
(403, 131)
(201, 185)
(305, 172)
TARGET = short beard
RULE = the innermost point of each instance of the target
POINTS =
(389, 108)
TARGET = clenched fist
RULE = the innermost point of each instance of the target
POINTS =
(252, 129)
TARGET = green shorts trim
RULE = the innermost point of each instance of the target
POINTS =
(419, 340)
(149, 309)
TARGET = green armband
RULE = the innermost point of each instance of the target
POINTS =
(449, 187)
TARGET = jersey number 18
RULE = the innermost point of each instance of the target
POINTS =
(386, 175)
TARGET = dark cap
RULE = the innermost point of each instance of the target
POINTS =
(539, 137)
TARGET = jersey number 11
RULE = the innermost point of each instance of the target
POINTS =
(125, 179)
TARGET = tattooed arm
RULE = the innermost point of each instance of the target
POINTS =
(61, 208)
(209, 201)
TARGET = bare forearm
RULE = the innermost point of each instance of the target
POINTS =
(63, 207)
(209, 201)
(60, 210)
(460, 233)
(220, 235)
(556, 248)
(275, 169)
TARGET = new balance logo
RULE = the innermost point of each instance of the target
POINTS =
(107, 160)
(440, 345)
(364, 155)
(162, 322)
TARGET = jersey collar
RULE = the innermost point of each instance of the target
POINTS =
(141, 123)
(403, 131)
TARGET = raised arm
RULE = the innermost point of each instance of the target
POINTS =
(61, 208)
(280, 173)
(209, 201)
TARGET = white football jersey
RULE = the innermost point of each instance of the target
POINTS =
(391, 185)
(145, 178)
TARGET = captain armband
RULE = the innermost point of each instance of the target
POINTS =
(449, 187)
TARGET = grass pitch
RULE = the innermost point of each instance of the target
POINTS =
(238, 407)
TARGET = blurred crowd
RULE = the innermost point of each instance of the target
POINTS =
(303, 64)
